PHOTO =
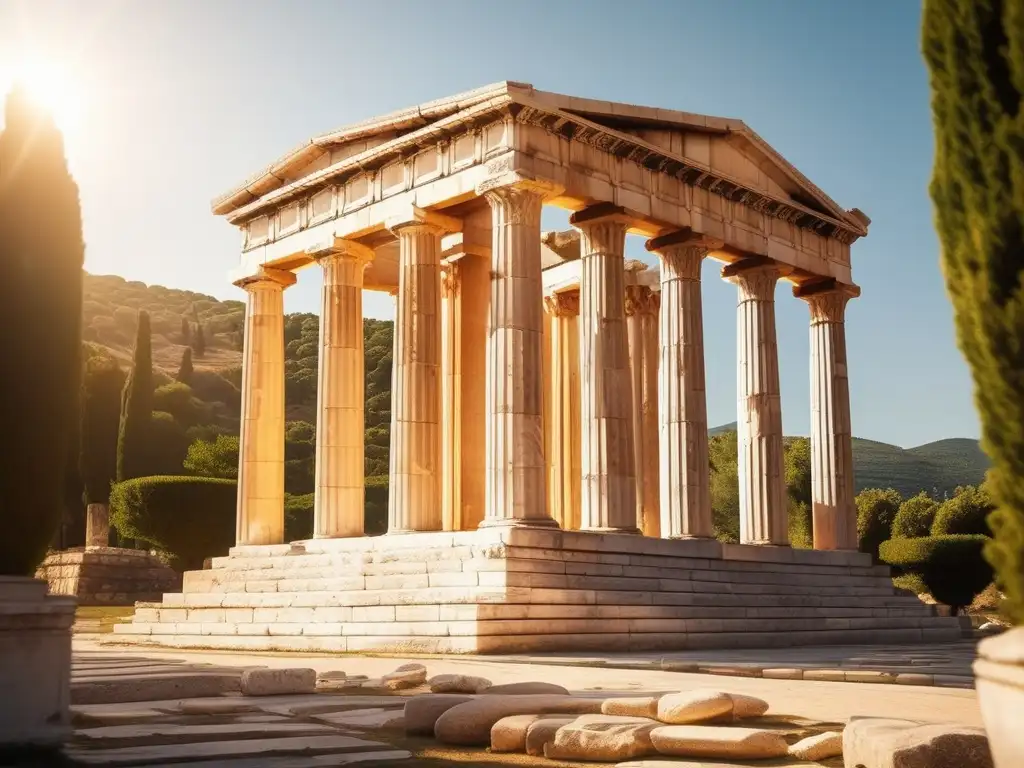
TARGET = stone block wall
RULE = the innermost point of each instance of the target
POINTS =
(107, 575)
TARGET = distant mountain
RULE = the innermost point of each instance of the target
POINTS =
(937, 467)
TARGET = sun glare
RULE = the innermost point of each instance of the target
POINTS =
(51, 88)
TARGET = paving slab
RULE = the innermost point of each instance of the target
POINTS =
(184, 684)
(311, 761)
(362, 719)
(184, 731)
(215, 749)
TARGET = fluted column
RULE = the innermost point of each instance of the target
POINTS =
(608, 494)
(414, 501)
(564, 394)
(682, 403)
(339, 496)
(516, 470)
(761, 465)
(260, 510)
(451, 398)
(832, 497)
(641, 325)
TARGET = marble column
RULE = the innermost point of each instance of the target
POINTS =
(565, 470)
(516, 470)
(474, 296)
(608, 492)
(682, 404)
(451, 398)
(339, 501)
(761, 467)
(414, 501)
(260, 511)
(641, 325)
(832, 497)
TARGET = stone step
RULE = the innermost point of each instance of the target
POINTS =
(606, 641)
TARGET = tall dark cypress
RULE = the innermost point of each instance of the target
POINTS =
(137, 407)
(199, 341)
(186, 331)
(101, 417)
(975, 55)
(185, 370)
(41, 253)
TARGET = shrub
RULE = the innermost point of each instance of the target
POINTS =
(915, 517)
(965, 513)
(375, 518)
(953, 568)
(876, 509)
(298, 517)
(974, 56)
(192, 518)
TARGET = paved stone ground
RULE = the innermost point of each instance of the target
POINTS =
(944, 665)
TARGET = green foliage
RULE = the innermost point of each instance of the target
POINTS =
(101, 415)
(40, 331)
(915, 517)
(136, 407)
(966, 513)
(191, 518)
(216, 458)
(975, 56)
(167, 446)
(376, 509)
(953, 568)
(185, 370)
(876, 510)
(798, 491)
(298, 516)
(176, 398)
(725, 488)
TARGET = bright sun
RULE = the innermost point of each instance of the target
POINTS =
(52, 88)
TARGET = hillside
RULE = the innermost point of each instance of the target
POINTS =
(109, 316)
(937, 467)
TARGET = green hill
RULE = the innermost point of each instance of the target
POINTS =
(937, 467)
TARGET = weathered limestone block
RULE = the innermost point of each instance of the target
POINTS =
(470, 723)
(693, 706)
(604, 738)
(458, 684)
(819, 747)
(422, 712)
(747, 706)
(875, 742)
(526, 688)
(542, 732)
(642, 706)
(714, 741)
(509, 733)
(406, 676)
(278, 682)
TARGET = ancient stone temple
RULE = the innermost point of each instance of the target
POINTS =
(549, 455)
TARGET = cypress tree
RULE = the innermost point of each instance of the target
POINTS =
(136, 407)
(975, 55)
(186, 331)
(41, 251)
(101, 417)
(199, 341)
(185, 369)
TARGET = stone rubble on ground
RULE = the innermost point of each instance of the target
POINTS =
(526, 689)
(470, 724)
(875, 742)
(604, 738)
(543, 731)
(642, 706)
(406, 676)
(422, 712)
(458, 684)
(718, 741)
(693, 706)
(278, 682)
(818, 747)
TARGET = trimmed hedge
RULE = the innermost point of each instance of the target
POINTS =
(191, 518)
(965, 513)
(953, 568)
(915, 517)
(876, 510)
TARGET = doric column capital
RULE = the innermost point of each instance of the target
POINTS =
(266, 278)
(419, 220)
(603, 228)
(503, 184)
(826, 299)
(340, 248)
(755, 277)
(681, 252)
(565, 304)
(641, 300)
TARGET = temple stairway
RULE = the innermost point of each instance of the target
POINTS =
(510, 590)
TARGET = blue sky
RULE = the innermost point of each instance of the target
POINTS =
(171, 103)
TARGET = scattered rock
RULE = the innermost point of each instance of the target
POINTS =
(604, 738)
(470, 723)
(542, 732)
(332, 675)
(509, 733)
(693, 706)
(747, 706)
(458, 684)
(643, 706)
(278, 682)
(364, 719)
(526, 689)
(421, 712)
(715, 741)
(406, 676)
(820, 747)
(875, 742)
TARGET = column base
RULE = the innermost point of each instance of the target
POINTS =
(766, 544)
(515, 522)
(689, 537)
(627, 531)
